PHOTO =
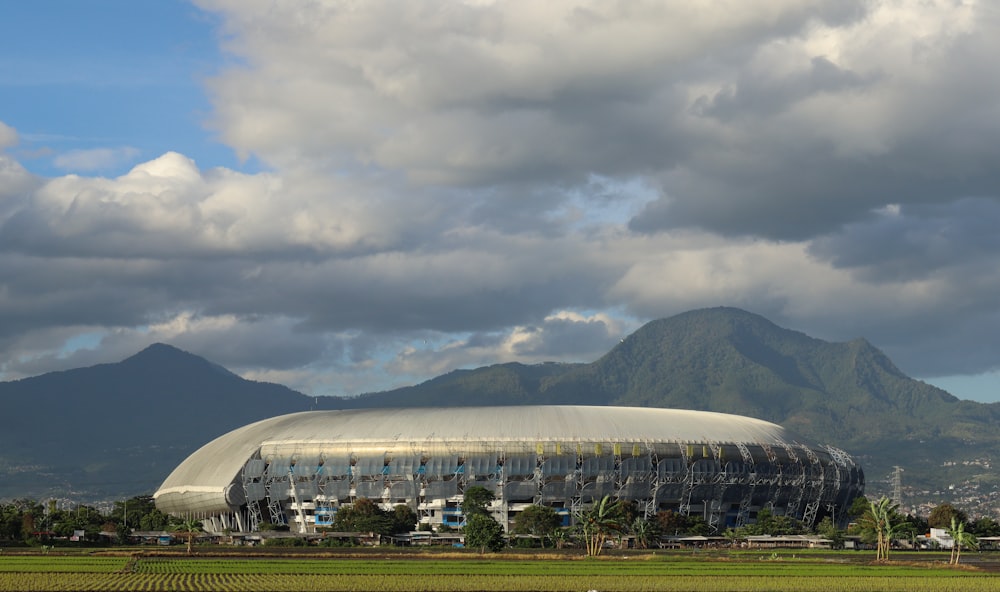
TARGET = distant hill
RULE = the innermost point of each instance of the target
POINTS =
(724, 359)
(121, 428)
(118, 429)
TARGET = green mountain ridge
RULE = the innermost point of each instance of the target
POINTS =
(849, 395)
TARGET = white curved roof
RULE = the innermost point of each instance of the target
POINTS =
(202, 479)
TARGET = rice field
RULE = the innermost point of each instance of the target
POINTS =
(85, 573)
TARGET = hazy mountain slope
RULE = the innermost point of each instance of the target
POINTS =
(501, 384)
(123, 426)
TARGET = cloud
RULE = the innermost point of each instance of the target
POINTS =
(239, 343)
(778, 123)
(797, 142)
(914, 240)
(481, 94)
(8, 136)
(95, 159)
(565, 336)
(16, 183)
(456, 184)
(168, 207)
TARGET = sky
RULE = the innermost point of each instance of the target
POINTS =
(346, 197)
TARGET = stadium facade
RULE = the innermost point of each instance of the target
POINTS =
(299, 469)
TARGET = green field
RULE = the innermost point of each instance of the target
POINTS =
(430, 572)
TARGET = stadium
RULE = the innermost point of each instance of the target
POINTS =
(299, 469)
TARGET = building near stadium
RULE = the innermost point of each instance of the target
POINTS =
(299, 469)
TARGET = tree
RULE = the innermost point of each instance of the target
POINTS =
(696, 526)
(140, 513)
(364, 515)
(768, 523)
(911, 527)
(85, 518)
(985, 527)
(858, 507)
(961, 538)
(943, 514)
(404, 519)
(189, 529)
(21, 518)
(626, 512)
(827, 529)
(540, 521)
(154, 520)
(644, 532)
(27, 525)
(597, 523)
(561, 537)
(483, 532)
(671, 523)
(475, 500)
(10, 522)
(880, 521)
(122, 532)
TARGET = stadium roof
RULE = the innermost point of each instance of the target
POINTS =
(209, 471)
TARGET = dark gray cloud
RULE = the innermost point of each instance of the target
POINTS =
(910, 242)
(756, 95)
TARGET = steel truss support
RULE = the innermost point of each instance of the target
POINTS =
(649, 509)
(576, 502)
(254, 516)
(798, 482)
(815, 482)
(617, 450)
(840, 457)
(296, 506)
(774, 482)
(502, 489)
(537, 477)
(743, 514)
(685, 505)
(721, 483)
(273, 501)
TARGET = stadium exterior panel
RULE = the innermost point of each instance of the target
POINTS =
(299, 469)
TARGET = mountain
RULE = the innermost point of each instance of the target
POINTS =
(121, 428)
(118, 429)
(728, 360)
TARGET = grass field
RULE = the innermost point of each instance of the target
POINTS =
(716, 572)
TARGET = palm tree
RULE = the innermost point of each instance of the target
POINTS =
(960, 538)
(560, 536)
(189, 528)
(644, 532)
(881, 519)
(597, 523)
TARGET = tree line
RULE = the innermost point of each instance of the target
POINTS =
(30, 522)
(876, 522)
